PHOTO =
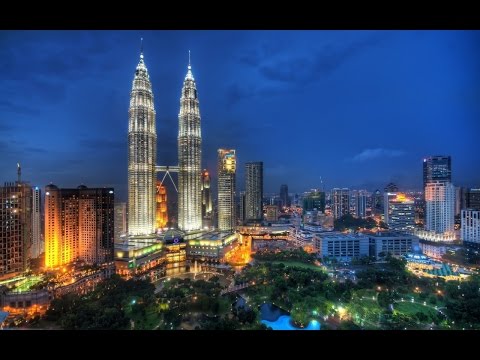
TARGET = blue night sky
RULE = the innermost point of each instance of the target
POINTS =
(358, 108)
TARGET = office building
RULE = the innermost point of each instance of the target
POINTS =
(254, 190)
(377, 203)
(142, 154)
(437, 169)
(340, 202)
(189, 157)
(395, 243)
(79, 225)
(358, 203)
(285, 199)
(343, 247)
(400, 213)
(226, 165)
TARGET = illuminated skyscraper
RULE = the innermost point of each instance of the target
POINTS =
(206, 195)
(401, 213)
(226, 189)
(440, 199)
(189, 157)
(360, 203)
(142, 153)
(437, 168)
(78, 225)
(37, 241)
(254, 190)
(162, 215)
(15, 227)
(340, 202)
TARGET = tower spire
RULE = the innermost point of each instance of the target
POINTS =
(19, 172)
(189, 68)
(141, 48)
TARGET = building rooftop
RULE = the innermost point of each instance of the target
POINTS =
(390, 234)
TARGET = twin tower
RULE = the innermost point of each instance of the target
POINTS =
(142, 156)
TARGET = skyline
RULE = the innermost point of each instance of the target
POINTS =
(78, 93)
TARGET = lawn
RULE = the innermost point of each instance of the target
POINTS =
(295, 264)
(410, 308)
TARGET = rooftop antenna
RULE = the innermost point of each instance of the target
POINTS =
(19, 172)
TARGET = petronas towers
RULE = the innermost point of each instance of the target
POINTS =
(189, 157)
(142, 155)
(142, 151)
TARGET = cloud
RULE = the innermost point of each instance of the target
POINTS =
(94, 144)
(9, 106)
(308, 68)
(370, 154)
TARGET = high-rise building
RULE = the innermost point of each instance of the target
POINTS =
(227, 163)
(388, 197)
(242, 207)
(470, 232)
(340, 202)
(361, 204)
(254, 190)
(37, 239)
(161, 200)
(472, 199)
(15, 227)
(284, 195)
(207, 206)
(120, 221)
(142, 154)
(189, 157)
(401, 213)
(437, 168)
(314, 200)
(78, 225)
(440, 202)
(377, 202)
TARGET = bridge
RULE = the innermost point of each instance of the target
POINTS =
(167, 170)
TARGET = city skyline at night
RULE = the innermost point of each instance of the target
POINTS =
(397, 96)
(329, 181)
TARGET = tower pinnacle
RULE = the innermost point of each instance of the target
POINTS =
(141, 48)
(189, 69)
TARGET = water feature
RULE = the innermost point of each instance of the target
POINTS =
(279, 319)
